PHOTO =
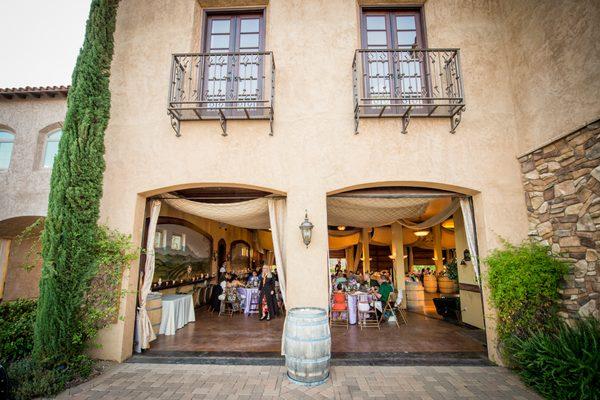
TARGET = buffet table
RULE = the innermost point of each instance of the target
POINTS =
(177, 311)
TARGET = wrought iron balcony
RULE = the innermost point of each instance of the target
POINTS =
(405, 83)
(221, 86)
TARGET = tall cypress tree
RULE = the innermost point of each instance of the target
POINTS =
(71, 228)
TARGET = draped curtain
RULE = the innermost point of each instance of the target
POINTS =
(467, 212)
(144, 332)
(277, 213)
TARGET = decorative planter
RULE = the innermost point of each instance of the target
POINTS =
(415, 296)
(447, 285)
(430, 283)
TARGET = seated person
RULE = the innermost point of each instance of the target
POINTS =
(385, 288)
(339, 299)
(253, 279)
(340, 279)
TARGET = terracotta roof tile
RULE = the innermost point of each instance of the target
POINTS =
(33, 92)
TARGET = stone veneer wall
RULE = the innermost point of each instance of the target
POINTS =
(562, 191)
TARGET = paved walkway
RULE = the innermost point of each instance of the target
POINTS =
(176, 381)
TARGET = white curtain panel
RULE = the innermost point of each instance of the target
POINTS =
(251, 214)
(144, 332)
(469, 220)
(277, 213)
(363, 212)
(435, 220)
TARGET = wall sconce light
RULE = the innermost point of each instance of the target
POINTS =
(306, 228)
(422, 233)
(466, 257)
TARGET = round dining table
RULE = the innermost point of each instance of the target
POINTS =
(247, 293)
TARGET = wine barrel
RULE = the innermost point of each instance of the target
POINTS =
(307, 345)
(415, 296)
(447, 285)
(154, 309)
(430, 283)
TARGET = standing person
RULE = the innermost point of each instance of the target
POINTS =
(267, 299)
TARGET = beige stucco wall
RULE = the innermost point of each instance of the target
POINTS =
(553, 50)
(25, 185)
(314, 150)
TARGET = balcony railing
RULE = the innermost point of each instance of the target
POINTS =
(405, 83)
(221, 86)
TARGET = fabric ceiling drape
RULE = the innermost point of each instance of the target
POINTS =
(369, 212)
(144, 332)
(251, 214)
(435, 220)
(467, 213)
(277, 211)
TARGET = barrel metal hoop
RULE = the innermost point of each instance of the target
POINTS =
(307, 361)
(299, 339)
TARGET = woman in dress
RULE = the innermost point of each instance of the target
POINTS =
(267, 299)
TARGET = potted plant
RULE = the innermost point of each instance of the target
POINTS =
(448, 279)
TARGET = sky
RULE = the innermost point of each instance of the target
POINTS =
(40, 41)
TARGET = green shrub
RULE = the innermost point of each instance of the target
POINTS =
(564, 364)
(29, 379)
(16, 329)
(524, 282)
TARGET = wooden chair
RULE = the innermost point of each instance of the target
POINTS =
(367, 313)
(231, 303)
(339, 307)
(393, 306)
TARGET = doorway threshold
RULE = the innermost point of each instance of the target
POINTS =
(338, 358)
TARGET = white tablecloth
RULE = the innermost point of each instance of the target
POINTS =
(177, 311)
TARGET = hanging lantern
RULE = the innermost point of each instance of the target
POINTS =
(306, 228)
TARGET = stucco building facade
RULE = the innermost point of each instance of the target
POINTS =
(529, 73)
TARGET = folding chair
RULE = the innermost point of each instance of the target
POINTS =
(339, 307)
(393, 305)
(366, 310)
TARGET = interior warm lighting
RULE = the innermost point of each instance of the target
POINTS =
(405, 256)
(421, 233)
(448, 224)
(341, 228)
(392, 256)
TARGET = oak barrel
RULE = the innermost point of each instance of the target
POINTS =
(415, 295)
(154, 309)
(307, 345)
(430, 283)
(447, 285)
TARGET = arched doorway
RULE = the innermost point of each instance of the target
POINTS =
(391, 232)
(221, 213)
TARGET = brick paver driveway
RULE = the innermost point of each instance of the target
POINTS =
(177, 381)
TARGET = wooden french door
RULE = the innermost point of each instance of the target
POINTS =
(228, 76)
(393, 69)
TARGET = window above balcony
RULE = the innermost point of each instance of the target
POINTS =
(233, 79)
(395, 76)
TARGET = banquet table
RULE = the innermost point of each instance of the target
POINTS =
(353, 306)
(177, 311)
(247, 293)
